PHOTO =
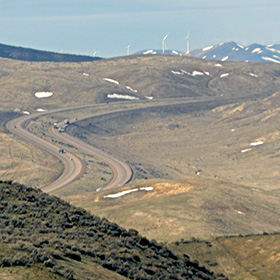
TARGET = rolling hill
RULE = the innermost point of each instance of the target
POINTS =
(43, 233)
(27, 54)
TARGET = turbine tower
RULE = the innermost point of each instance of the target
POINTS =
(188, 43)
(163, 43)
(128, 49)
(95, 53)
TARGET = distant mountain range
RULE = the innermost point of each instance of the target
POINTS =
(28, 54)
(230, 51)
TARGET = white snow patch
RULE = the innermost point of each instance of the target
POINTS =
(256, 50)
(204, 57)
(218, 65)
(236, 49)
(247, 49)
(225, 58)
(253, 144)
(121, 96)
(270, 59)
(128, 87)
(206, 73)
(241, 46)
(232, 130)
(233, 49)
(176, 72)
(175, 52)
(255, 190)
(40, 110)
(86, 74)
(149, 52)
(240, 213)
(207, 48)
(260, 52)
(43, 94)
(246, 150)
(149, 97)
(111, 81)
(253, 75)
(26, 113)
(276, 56)
(186, 72)
(197, 73)
(214, 56)
(224, 75)
(120, 193)
(147, 189)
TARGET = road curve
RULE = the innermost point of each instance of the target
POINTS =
(73, 166)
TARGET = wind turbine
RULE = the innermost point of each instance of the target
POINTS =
(188, 43)
(163, 43)
(95, 53)
(128, 49)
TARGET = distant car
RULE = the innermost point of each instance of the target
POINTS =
(61, 151)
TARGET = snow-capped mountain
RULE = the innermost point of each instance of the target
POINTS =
(231, 51)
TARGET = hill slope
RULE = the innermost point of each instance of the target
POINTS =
(28, 54)
(42, 231)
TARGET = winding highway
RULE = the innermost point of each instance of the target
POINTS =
(74, 167)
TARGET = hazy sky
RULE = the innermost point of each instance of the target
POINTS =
(108, 26)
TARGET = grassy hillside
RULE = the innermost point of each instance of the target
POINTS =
(44, 233)
(136, 76)
(253, 257)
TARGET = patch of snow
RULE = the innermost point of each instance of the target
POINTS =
(247, 49)
(206, 73)
(26, 113)
(176, 72)
(218, 65)
(43, 94)
(256, 190)
(276, 56)
(221, 44)
(86, 74)
(236, 49)
(260, 52)
(253, 144)
(111, 81)
(147, 189)
(120, 194)
(175, 52)
(149, 97)
(40, 110)
(224, 75)
(225, 58)
(133, 90)
(233, 49)
(204, 57)
(256, 50)
(253, 75)
(246, 150)
(214, 56)
(120, 96)
(270, 59)
(185, 72)
(240, 213)
(149, 52)
(197, 73)
(232, 130)
(207, 48)
(241, 46)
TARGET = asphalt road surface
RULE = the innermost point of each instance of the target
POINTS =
(74, 167)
